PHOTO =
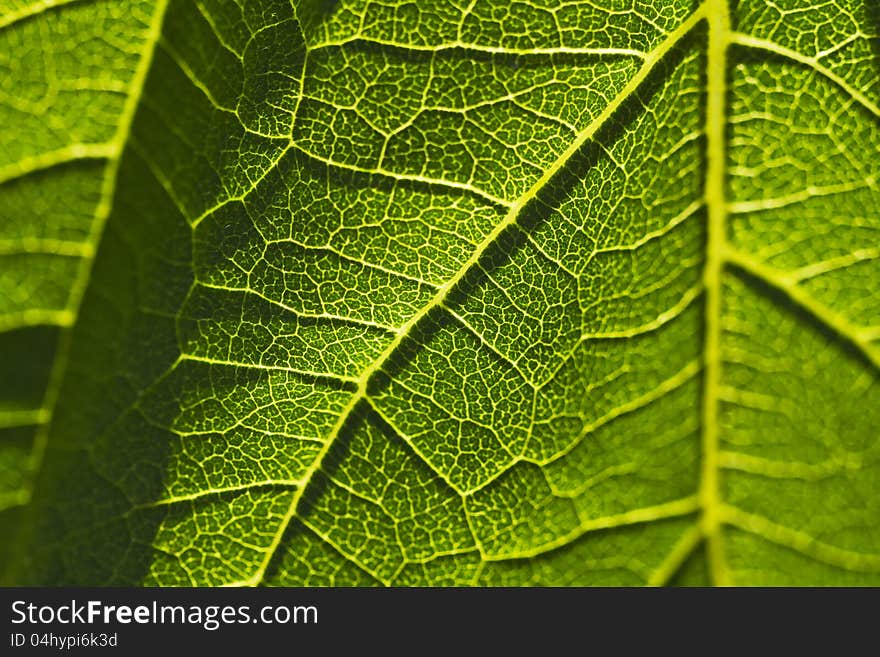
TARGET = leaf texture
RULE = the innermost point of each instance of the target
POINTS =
(443, 293)
(70, 79)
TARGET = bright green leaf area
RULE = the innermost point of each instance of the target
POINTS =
(460, 292)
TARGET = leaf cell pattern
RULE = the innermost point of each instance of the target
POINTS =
(446, 293)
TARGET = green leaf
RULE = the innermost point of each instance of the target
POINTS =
(448, 293)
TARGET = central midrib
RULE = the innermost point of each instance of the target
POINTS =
(718, 18)
(648, 65)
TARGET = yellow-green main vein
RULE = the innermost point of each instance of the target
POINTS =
(650, 62)
(717, 14)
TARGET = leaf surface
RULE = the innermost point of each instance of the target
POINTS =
(474, 294)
